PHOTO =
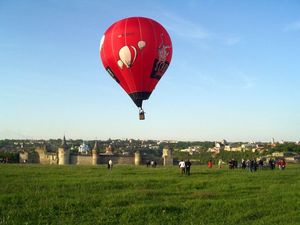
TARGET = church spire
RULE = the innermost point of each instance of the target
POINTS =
(64, 143)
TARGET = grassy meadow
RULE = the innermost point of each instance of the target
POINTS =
(40, 194)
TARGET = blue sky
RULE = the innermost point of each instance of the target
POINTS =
(234, 75)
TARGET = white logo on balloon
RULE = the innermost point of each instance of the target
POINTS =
(101, 42)
(128, 54)
(141, 44)
(162, 50)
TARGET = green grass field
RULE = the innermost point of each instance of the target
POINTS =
(37, 194)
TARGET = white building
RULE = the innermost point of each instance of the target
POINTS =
(84, 149)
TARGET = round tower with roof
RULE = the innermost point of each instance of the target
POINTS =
(95, 154)
(137, 158)
(63, 153)
(167, 156)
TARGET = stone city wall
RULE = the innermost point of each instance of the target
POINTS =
(81, 159)
(63, 157)
(103, 159)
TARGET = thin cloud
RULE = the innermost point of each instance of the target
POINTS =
(230, 41)
(247, 81)
(294, 26)
(236, 79)
(185, 28)
(242, 79)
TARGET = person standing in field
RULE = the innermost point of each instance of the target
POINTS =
(231, 164)
(110, 164)
(244, 164)
(271, 164)
(148, 163)
(182, 167)
(260, 164)
(253, 165)
(188, 165)
(281, 164)
(220, 162)
(210, 164)
(235, 163)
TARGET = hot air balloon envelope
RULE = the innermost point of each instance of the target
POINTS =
(136, 52)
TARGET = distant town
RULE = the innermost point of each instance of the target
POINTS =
(12, 151)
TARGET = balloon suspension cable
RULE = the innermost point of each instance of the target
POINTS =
(141, 114)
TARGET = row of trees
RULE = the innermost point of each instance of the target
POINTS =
(288, 147)
(185, 144)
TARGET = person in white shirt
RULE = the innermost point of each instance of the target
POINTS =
(110, 164)
(182, 167)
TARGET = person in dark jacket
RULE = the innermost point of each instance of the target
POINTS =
(271, 164)
(244, 164)
(231, 164)
(188, 165)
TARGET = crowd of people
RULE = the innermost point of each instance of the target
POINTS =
(251, 164)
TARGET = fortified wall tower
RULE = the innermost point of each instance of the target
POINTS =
(168, 156)
(137, 158)
(63, 153)
(95, 154)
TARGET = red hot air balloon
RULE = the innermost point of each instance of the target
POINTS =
(136, 52)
